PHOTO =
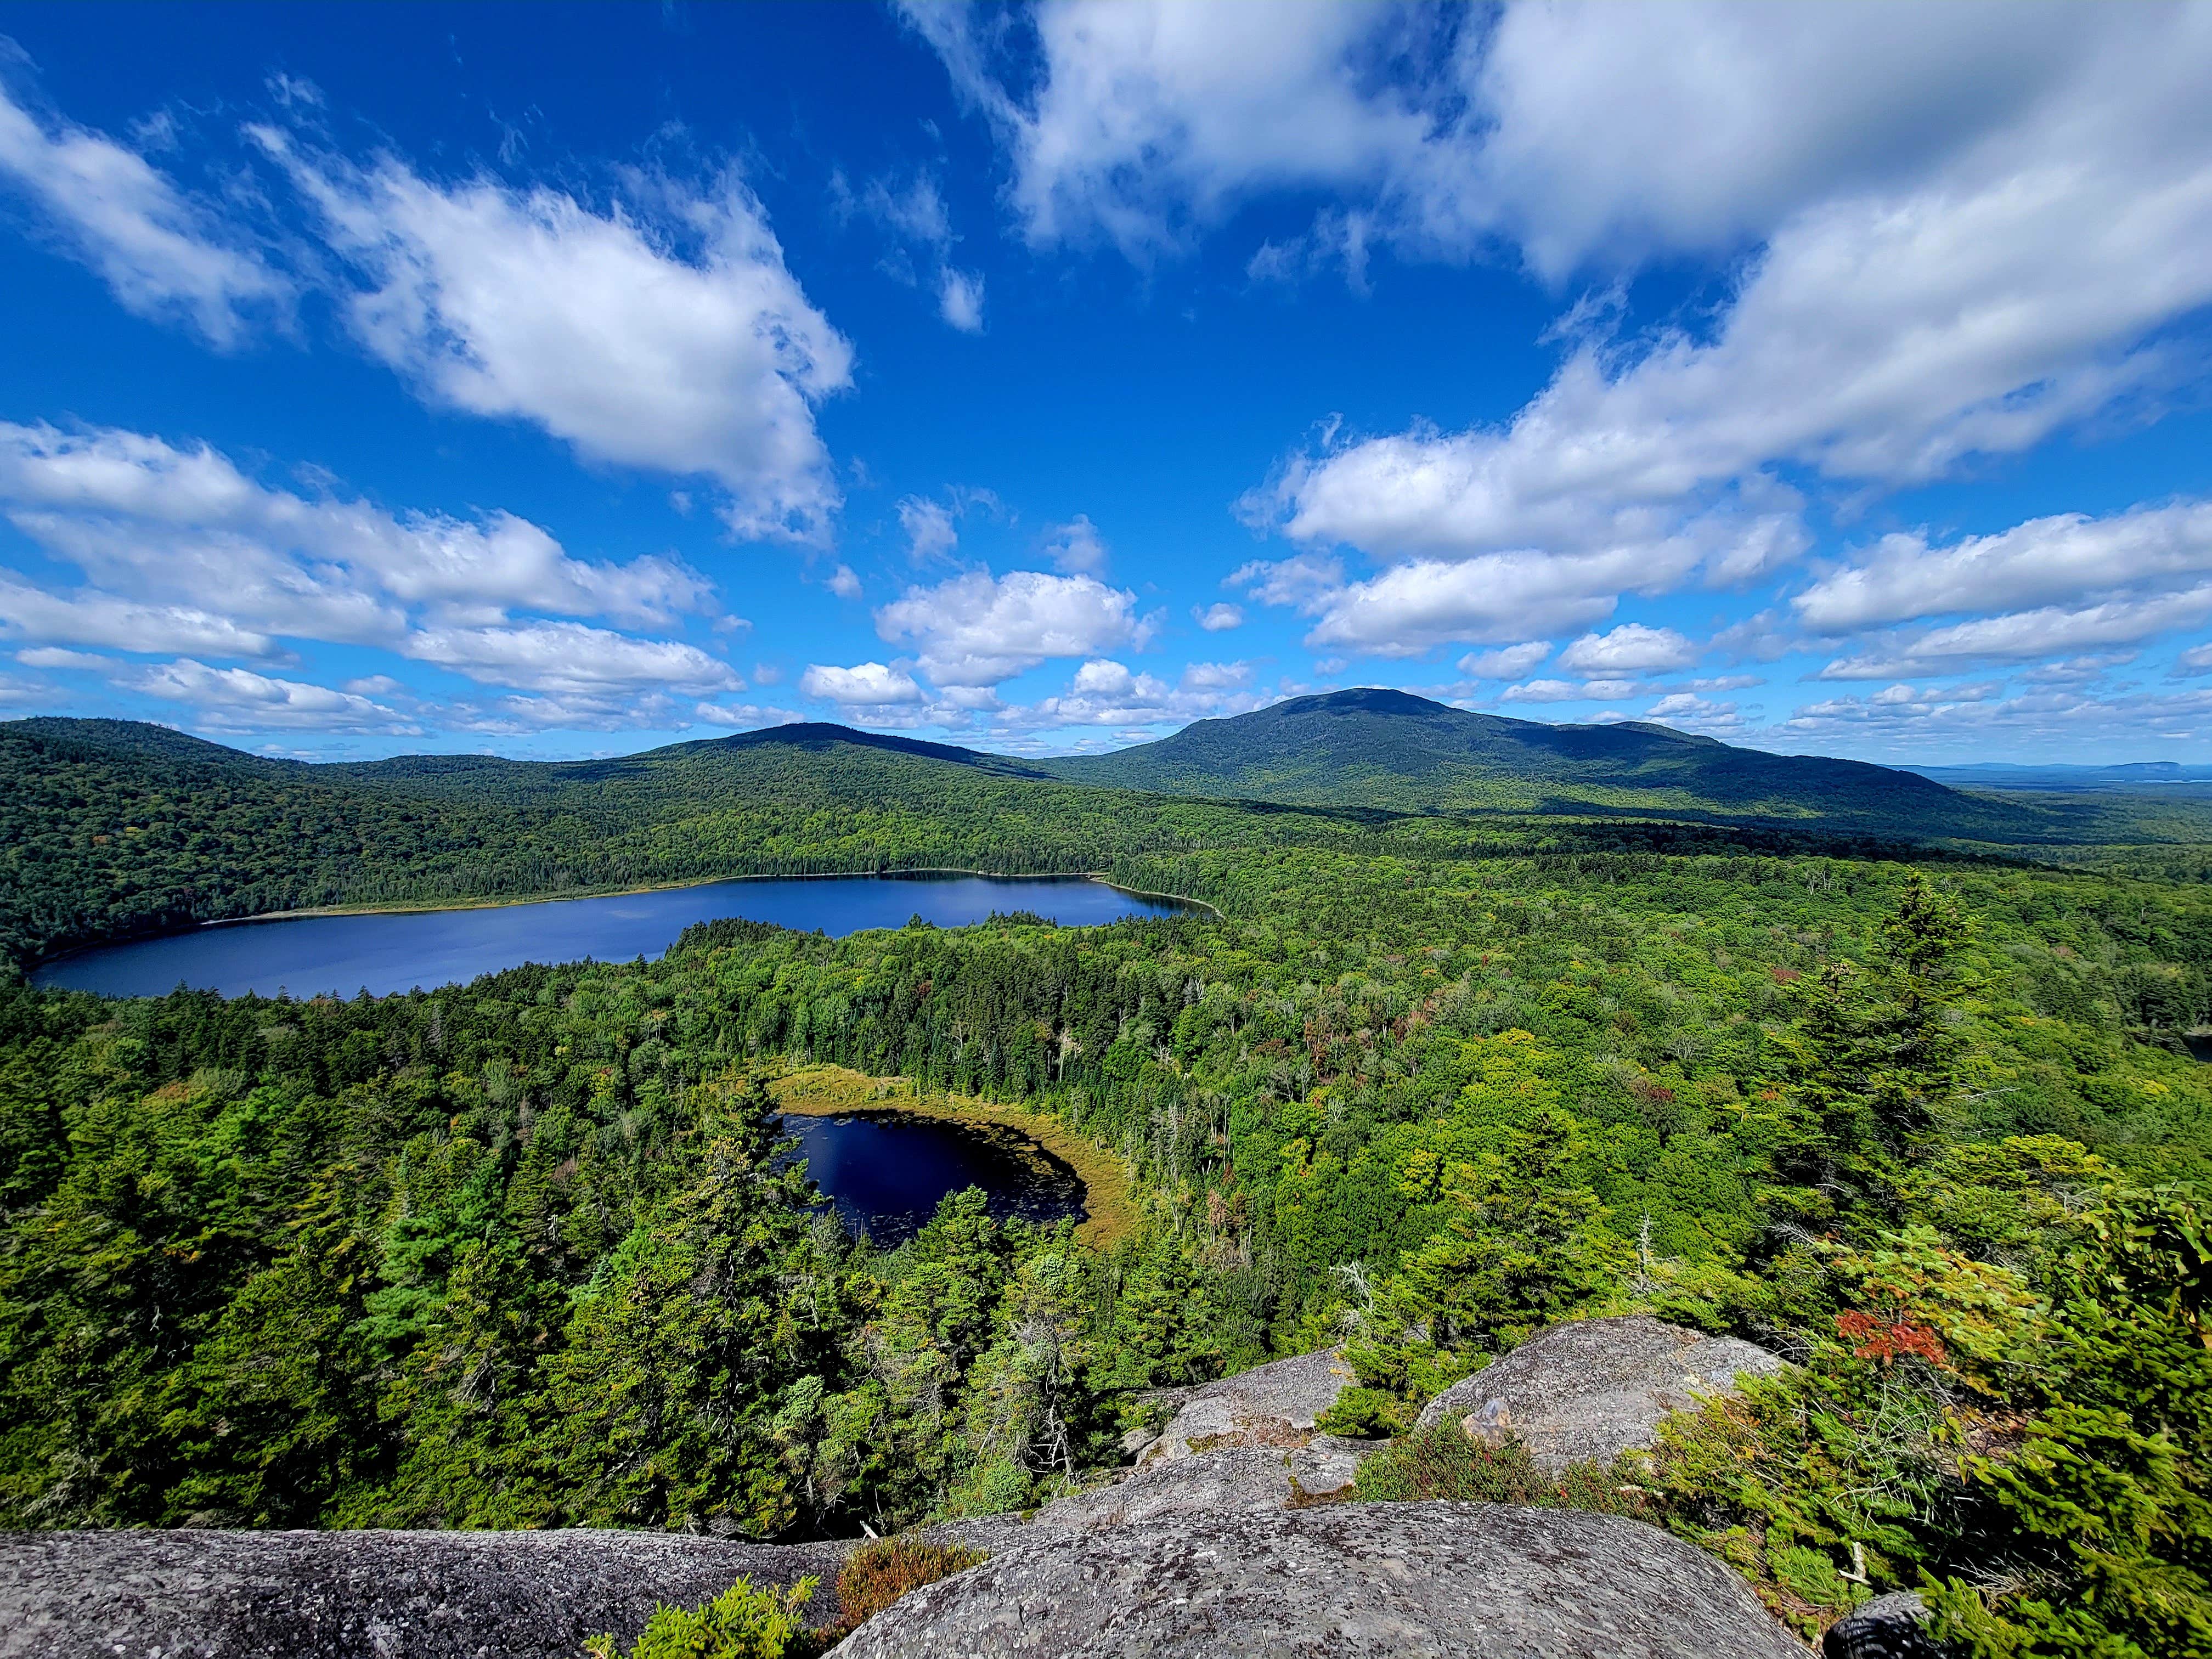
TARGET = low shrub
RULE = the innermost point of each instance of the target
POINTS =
(745, 1623)
(762, 1624)
(741, 1623)
(1362, 1414)
(878, 1574)
(1444, 1461)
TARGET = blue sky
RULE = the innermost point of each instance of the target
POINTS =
(563, 380)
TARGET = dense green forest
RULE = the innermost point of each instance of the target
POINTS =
(111, 828)
(532, 1251)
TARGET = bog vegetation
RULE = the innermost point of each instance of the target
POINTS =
(532, 1252)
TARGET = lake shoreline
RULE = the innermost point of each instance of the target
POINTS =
(1110, 1191)
(426, 944)
(430, 907)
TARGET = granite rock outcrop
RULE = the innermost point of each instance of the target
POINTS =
(1438, 1580)
(1212, 1545)
(200, 1595)
(1592, 1389)
(1277, 1404)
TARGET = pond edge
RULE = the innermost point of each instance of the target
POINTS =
(1109, 1189)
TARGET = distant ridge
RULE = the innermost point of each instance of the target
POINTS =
(1374, 747)
(72, 735)
(2145, 776)
(1368, 750)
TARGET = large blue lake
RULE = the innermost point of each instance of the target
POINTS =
(308, 956)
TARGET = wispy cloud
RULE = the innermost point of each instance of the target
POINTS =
(163, 252)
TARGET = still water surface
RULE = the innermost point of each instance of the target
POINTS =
(310, 954)
(883, 1173)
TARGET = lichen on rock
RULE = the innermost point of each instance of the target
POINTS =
(199, 1594)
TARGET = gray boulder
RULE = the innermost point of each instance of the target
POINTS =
(194, 1595)
(1443, 1581)
(1593, 1389)
(1888, 1627)
(1272, 1405)
(1325, 1465)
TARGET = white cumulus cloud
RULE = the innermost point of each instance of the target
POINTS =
(2056, 586)
(240, 700)
(1076, 548)
(976, 629)
(1905, 577)
(1104, 692)
(863, 684)
(1631, 648)
(569, 658)
(1510, 662)
(1151, 120)
(183, 552)
(663, 332)
(1409, 609)
(1600, 690)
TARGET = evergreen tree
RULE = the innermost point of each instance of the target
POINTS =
(675, 1359)
(1522, 1246)
(274, 1416)
(2104, 1514)
(1869, 1068)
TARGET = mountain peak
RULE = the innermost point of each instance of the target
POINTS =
(1377, 699)
(822, 734)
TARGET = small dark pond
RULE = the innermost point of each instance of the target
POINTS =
(311, 955)
(884, 1172)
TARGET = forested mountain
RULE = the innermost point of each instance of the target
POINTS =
(1392, 749)
(110, 827)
